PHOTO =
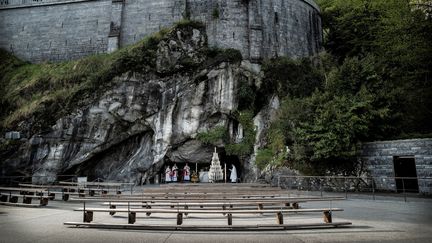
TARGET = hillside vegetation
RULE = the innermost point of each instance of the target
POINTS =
(373, 82)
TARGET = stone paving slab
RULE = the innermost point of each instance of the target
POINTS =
(373, 221)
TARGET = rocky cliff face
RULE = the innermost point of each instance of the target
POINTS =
(144, 121)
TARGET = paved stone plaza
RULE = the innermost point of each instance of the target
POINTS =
(387, 219)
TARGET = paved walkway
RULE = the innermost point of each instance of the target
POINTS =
(385, 220)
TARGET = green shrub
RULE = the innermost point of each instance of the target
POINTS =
(245, 147)
(214, 136)
(263, 158)
(215, 13)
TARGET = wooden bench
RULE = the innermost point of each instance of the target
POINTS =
(248, 227)
(26, 199)
(88, 213)
(64, 188)
(258, 204)
(204, 199)
(292, 203)
(201, 205)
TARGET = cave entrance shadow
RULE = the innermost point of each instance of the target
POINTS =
(230, 160)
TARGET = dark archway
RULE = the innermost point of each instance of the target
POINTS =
(230, 160)
(406, 174)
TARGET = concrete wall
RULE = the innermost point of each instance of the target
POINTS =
(56, 32)
(53, 30)
(379, 158)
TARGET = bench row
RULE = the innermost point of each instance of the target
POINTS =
(26, 199)
(88, 213)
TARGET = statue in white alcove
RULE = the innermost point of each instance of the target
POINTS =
(233, 176)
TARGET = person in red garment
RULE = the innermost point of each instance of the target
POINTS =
(186, 173)
(174, 172)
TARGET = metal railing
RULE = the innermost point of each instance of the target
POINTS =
(15, 180)
(395, 186)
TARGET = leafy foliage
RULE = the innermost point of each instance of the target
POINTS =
(245, 147)
(294, 78)
(397, 36)
(374, 83)
(214, 136)
(215, 13)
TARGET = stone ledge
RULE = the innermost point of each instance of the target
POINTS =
(41, 4)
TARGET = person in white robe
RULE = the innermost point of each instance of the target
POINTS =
(174, 173)
(167, 174)
(233, 176)
(186, 173)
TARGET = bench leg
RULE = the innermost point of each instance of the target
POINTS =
(13, 199)
(112, 207)
(179, 219)
(27, 200)
(229, 219)
(132, 218)
(279, 218)
(88, 216)
(327, 217)
(148, 207)
(44, 201)
(186, 208)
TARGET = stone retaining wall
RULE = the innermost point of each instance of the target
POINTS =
(379, 158)
(55, 30)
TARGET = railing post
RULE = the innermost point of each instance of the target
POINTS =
(403, 188)
(373, 188)
(346, 190)
(321, 187)
(84, 212)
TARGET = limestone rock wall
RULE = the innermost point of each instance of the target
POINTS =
(142, 122)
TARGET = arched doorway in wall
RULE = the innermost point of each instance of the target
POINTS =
(406, 174)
